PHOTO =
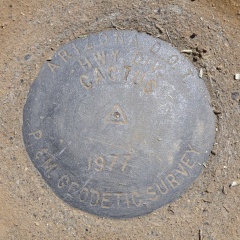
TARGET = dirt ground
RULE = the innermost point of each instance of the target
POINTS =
(31, 30)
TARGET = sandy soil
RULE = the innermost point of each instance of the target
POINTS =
(31, 30)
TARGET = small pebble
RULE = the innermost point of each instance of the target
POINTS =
(235, 183)
(237, 76)
(27, 57)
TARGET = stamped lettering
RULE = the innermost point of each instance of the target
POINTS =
(162, 187)
(73, 188)
(155, 47)
(98, 75)
(95, 197)
(134, 40)
(126, 72)
(100, 58)
(76, 48)
(85, 63)
(115, 55)
(110, 123)
(136, 199)
(83, 194)
(85, 82)
(109, 163)
(150, 86)
(37, 134)
(181, 170)
(53, 67)
(89, 45)
(64, 55)
(119, 38)
(103, 38)
(138, 77)
(173, 59)
(48, 162)
(139, 58)
(112, 73)
(106, 197)
(63, 181)
(172, 180)
(119, 197)
(153, 196)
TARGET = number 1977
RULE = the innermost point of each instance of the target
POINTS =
(113, 161)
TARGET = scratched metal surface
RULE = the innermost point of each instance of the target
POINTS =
(118, 123)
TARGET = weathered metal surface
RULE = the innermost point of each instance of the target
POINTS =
(118, 123)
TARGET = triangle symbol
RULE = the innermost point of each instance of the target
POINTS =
(116, 115)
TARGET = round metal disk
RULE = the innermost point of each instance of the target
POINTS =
(118, 123)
